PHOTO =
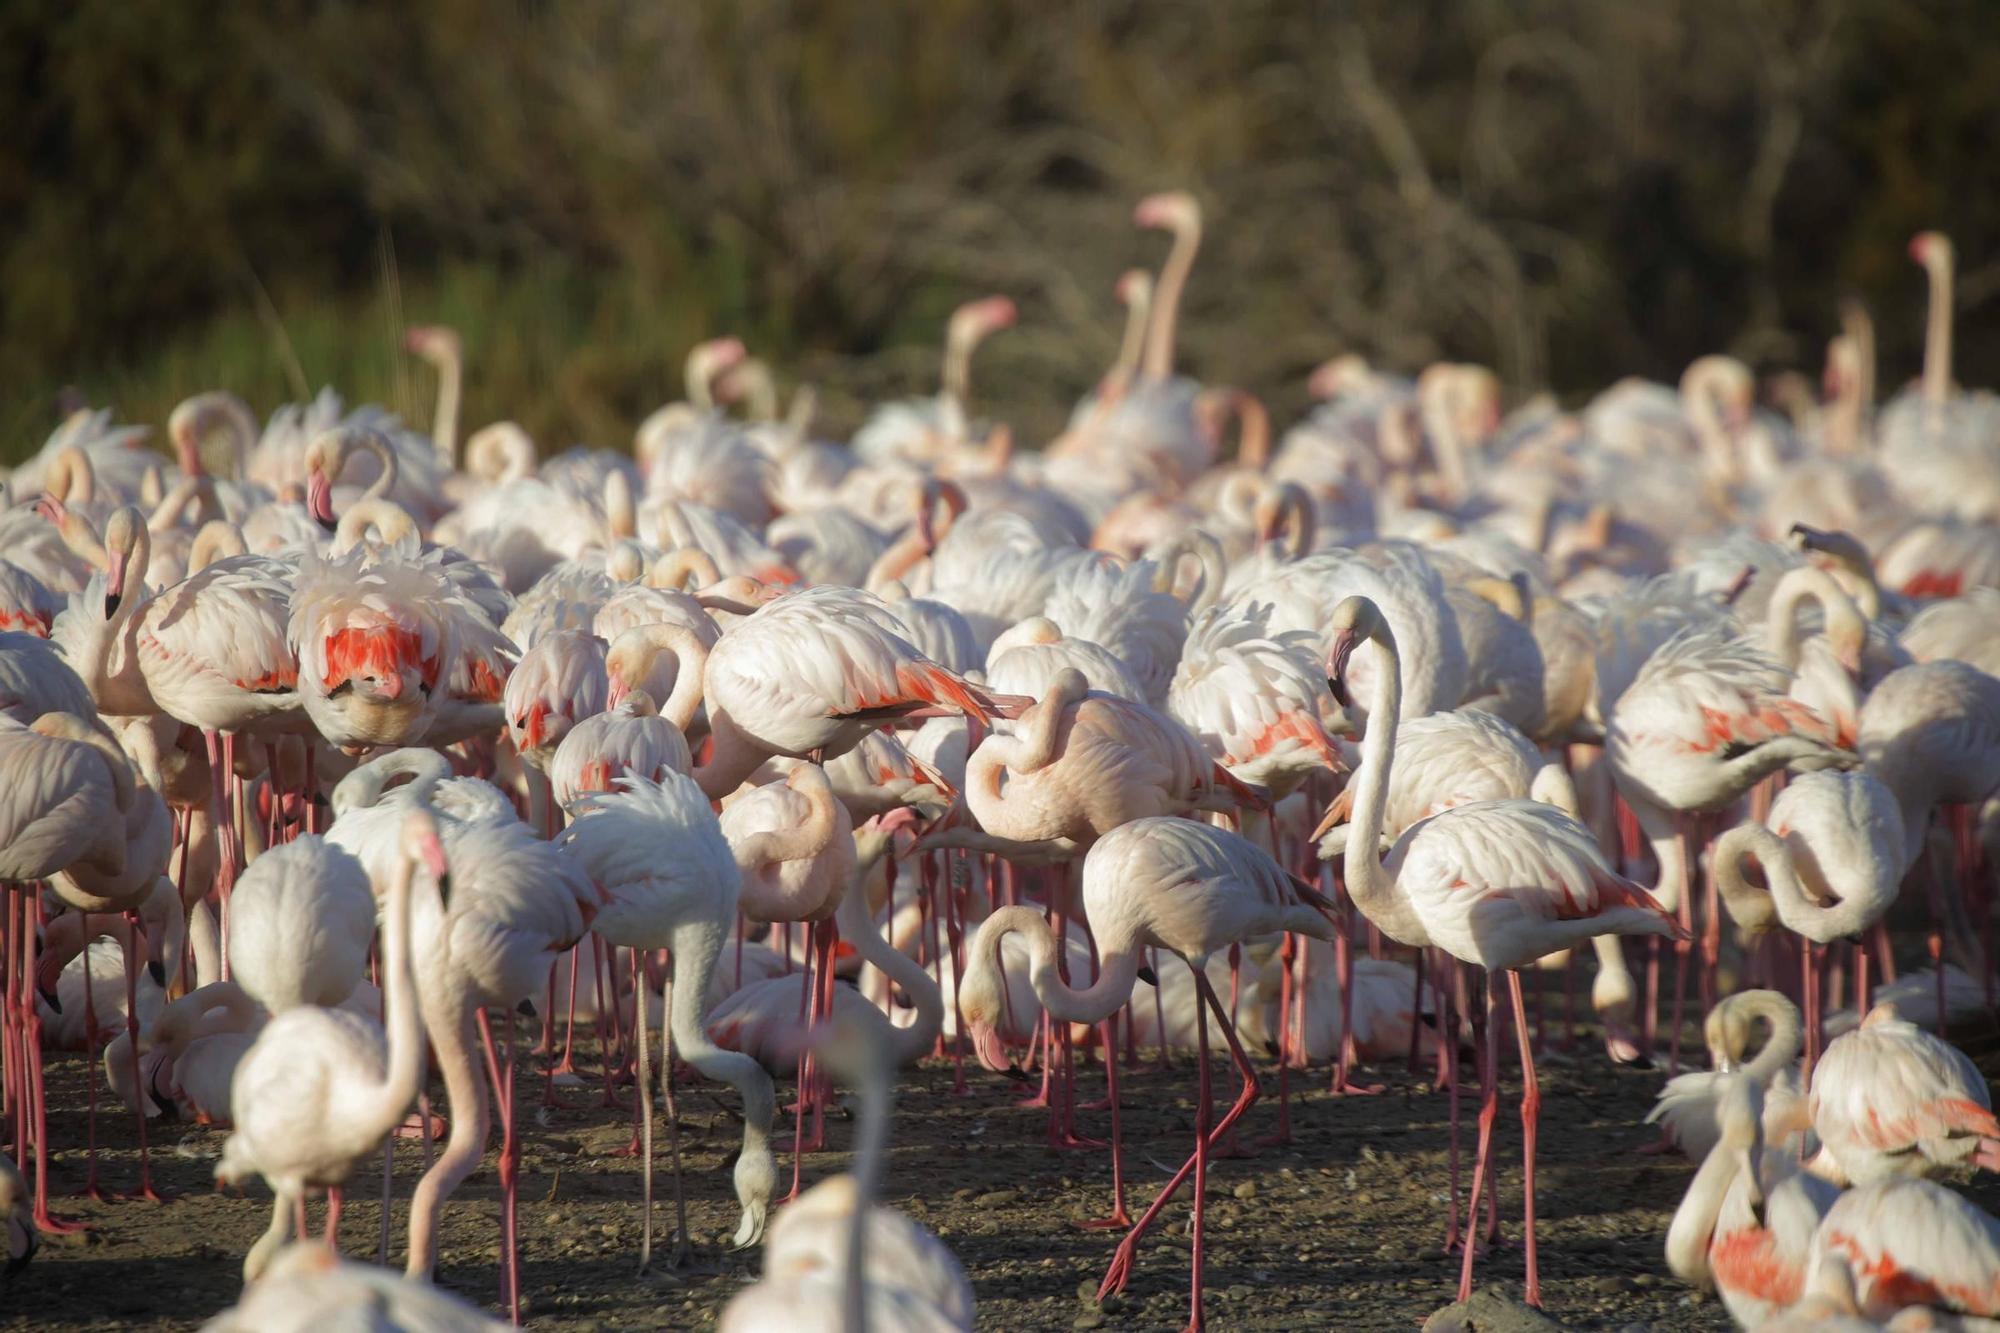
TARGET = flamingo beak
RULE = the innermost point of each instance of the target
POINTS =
(1344, 644)
(114, 587)
(319, 498)
(432, 853)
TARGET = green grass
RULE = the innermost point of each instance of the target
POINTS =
(571, 356)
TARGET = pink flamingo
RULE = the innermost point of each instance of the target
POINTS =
(811, 673)
(1911, 1242)
(669, 878)
(1163, 883)
(318, 1092)
(1495, 883)
(1889, 1099)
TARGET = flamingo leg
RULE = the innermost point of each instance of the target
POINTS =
(145, 1190)
(1489, 1110)
(1343, 966)
(1863, 995)
(1448, 1050)
(333, 1202)
(1120, 1271)
(1119, 1216)
(31, 915)
(1809, 960)
(1287, 958)
(502, 1073)
(645, 1095)
(1204, 1108)
(1531, 1115)
(90, 1188)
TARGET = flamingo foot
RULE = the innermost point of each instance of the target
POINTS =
(1119, 1220)
(1347, 1087)
(49, 1224)
(1120, 1272)
(1063, 1140)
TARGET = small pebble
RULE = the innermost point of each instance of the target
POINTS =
(997, 1199)
(1246, 1191)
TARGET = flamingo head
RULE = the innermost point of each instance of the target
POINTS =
(1355, 620)
(422, 844)
(320, 472)
(1173, 210)
(432, 342)
(974, 320)
(1930, 247)
(121, 537)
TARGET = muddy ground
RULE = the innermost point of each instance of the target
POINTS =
(1340, 1229)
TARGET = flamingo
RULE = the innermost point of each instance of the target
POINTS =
(301, 921)
(1687, 1106)
(1831, 851)
(442, 347)
(835, 1258)
(1163, 883)
(307, 1286)
(657, 853)
(317, 1093)
(1254, 696)
(810, 673)
(1496, 883)
(630, 737)
(1747, 1223)
(1080, 764)
(197, 1043)
(1889, 1099)
(1912, 1242)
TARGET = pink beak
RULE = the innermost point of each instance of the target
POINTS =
(319, 499)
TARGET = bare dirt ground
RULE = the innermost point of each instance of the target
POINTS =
(1340, 1229)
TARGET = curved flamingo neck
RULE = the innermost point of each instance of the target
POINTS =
(1117, 972)
(444, 419)
(1138, 292)
(857, 927)
(1806, 583)
(386, 1103)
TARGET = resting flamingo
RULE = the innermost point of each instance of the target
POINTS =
(1495, 883)
(1164, 883)
(302, 920)
(1912, 1242)
(812, 672)
(1889, 1099)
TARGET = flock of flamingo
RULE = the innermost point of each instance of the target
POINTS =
(331, 748)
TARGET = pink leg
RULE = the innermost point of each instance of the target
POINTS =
(1809, 956)
(1204, 1108)
(1531, 1114)
(1864, 996)
(1287, 958)
(145, 1190)
(1449, 994)
(1343, 966)
(1489, 1110)
(1119, 1216)
(333, 1201)
(31, 913)
(1683, 949)
(1120, 1271)
(502, 1074)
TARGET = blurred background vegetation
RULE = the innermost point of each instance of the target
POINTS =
(261, 196)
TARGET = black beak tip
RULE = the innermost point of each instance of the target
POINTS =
(49, 998)
(1016, 1073)
(1338, 688)
(158, 972)
(111, 601)
(526, 1008)
(326, 524)
(1146, 975)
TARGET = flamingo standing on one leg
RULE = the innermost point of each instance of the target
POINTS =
(1496, 883)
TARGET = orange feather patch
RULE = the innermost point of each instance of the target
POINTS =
(1749, 1262)
(382, 652)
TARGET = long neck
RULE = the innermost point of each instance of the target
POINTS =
(1370, 885)
(123, 689)
(1165, 315)
(1784, 1037)
(444, 425)
(696, 944)
(1137, 316)
(691, 657)
(857, 927)
(1937, 329)
(405, 1069)
(1750, 907)
(1694, 1221)
(871, 1142)
(733, 760)
(385, 481)
(1118, 969)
